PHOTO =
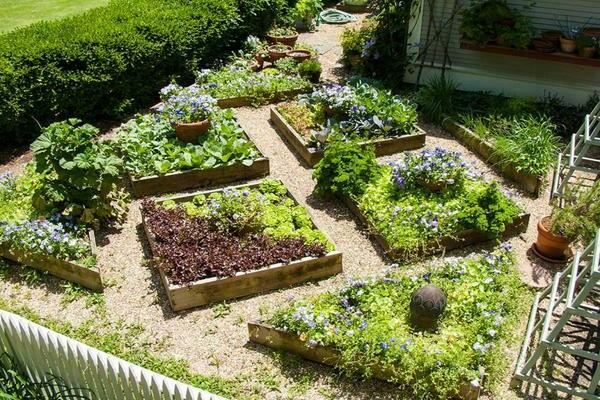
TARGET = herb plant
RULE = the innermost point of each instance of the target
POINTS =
(368, 322)
(232, 231)
(80, 175)
(282, 31)
(149, 146)
(235, 81)
(579, 218)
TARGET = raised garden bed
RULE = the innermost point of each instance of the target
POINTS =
(88, 277)
(311, 155)
(530, 182)
(368, 327)
(226, 155)
(185, 295)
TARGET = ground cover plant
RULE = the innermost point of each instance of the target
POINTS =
(149, 146)
(111, 60)
(237, 80)
(418, 199)
(369, 323)
(359, 110)
(231, 231)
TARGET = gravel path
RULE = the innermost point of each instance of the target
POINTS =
(218, 345)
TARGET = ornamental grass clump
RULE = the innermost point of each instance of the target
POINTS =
(368, 322)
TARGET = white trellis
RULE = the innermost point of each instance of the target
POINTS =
(545, 327)
(577, 158)
(40, 352)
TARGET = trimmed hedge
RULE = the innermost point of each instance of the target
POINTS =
(110, 61)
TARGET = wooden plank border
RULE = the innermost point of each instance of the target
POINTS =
(194, 178)
(462, 239)
(247, 101)
(276, 276)
(69, 271)
(277, 339)
(383, 147)
(530, 182)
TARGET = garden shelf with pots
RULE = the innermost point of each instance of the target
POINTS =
(556, 56)
(303, 122)
(156, 162)
(270, 224)
(404, 326)
(72, 271)
(530, 182)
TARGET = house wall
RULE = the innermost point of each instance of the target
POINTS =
(474, 70)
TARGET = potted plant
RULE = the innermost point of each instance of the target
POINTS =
(189, 112)
(567, 39)
(577, 221)
(552, 36)
(311, 70)
(286, 36)
(586, 46)
(278, 51)
(305, 13)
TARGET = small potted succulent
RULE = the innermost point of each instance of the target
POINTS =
(286, 36)
(278, 51)
(188, 111)
(311, 70)
(577, 221)
(586, 46)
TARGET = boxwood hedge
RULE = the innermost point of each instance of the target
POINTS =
(105, 63)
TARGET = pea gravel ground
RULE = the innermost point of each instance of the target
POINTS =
(218, 344)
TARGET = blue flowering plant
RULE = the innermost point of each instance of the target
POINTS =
(58, 238)
(368, 322)
(186, 105)
(433, 169)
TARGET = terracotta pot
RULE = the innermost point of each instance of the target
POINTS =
(548, 244)
(260, 59)
(287, 40)
(587, 52)
(591, 32)
(552, 36)
(355, 61)
(190, 132)
(299, 55)
(568, 45)
(275, 54)
(432, 186)
(543, 45)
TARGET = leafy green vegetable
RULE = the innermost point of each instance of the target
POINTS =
(149, 146)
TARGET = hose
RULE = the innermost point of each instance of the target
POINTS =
(332, 16)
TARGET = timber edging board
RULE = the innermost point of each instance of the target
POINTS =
(383, 147)
(462, 239)
(531, 183)
(247, 101)
(194, 178)
(277, 339)
(69, 271)
(276, 276)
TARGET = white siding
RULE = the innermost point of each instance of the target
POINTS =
(475, 70)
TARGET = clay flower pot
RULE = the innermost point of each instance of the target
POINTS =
(355, 61)
(548, 245)
(287, 40)
(568, 45)
(432, 186)
(552, 36)
(299, 55)
(592, 32)
(276, 54)
(543, 45)
(587, 52)
(191, 131)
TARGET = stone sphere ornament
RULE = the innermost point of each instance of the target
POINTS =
(427, 305)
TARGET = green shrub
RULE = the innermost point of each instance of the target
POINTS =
(346, 169)
(111, 60)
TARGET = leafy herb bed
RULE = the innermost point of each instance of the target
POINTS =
(156, 162)
(365, 328)
(312, 155)
(270, 244)
(88, 277)
(529, 181)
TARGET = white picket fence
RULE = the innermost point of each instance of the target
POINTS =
(41, 352)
